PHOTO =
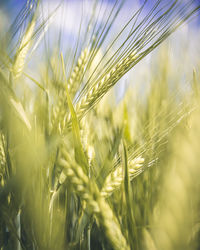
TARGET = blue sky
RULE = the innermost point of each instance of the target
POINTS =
(13, 6)
(69, 17)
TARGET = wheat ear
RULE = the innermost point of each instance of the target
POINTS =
(99, 89)
(88, 191)
(148, 34)
(76, 75)
(115, 178)
(58, 112)
(73, 82)
(2, 152)
(22, 51)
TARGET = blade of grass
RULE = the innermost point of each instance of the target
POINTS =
(132, 233)
(10, 101)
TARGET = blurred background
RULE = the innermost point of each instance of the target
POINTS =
(151, 115)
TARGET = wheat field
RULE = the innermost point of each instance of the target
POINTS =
(99, 125)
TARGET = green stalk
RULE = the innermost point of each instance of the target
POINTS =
(132, 231)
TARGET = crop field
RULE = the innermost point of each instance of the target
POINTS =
(99, 125)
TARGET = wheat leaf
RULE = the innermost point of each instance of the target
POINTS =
(9, 101)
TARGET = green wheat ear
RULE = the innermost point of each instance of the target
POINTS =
(115, 179)
(73, 82)
(144, 37)
(88, 191)
(28, 43)
(22, 51)
(2, 151)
